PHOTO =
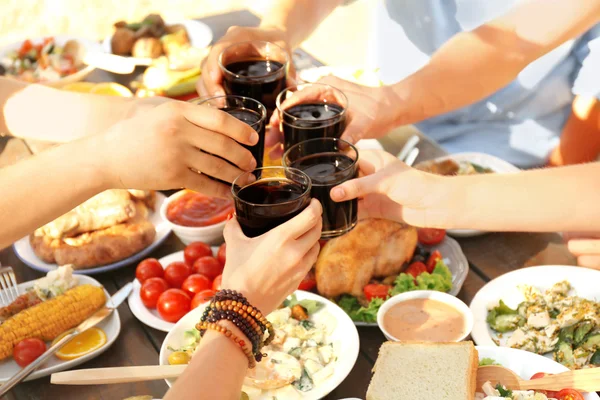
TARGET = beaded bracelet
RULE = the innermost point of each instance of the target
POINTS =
(204, 326)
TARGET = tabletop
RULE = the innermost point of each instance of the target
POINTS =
(489, 256)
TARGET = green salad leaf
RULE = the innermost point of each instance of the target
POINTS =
(311, 306)
(504, 392)
(487, 361)
(358, 313)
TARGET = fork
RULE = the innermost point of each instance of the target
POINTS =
(8, 282)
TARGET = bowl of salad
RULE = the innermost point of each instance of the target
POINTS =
(53, 60)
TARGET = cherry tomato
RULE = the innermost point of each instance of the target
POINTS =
(25, 47)
(216, 286)
(185, 97)
(173, 304)
(196, 283)
(548, 393)
(431, 236)
(149, 268)
(208, 266)
(202, 297)
(415, 269)
(195, 250)
(176, 273)
(27, 350)
(221, 253)
(433, 259)
(309, 281)
(151, 289)
(376, 291)
(569, 394)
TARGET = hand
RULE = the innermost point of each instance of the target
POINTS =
(160, 149)
(392, 190)
(586, 247)
(268, 268)
(210, 82)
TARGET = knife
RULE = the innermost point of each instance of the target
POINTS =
(91, 321)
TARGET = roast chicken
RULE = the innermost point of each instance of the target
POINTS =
(375, 248)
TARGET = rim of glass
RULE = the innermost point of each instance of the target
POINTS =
(225, 70)
(263, 110)
(354, 161)
(306, 192)
(343, 95)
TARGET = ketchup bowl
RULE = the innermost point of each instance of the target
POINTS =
(196, 217)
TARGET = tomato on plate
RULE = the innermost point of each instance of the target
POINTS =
(149, 268)
(548, 393)
(568, 394)
(202, 297)
(208, 266)
(176, 273)
(309, 281)
(195, 250)
(221, 253)
(196, 283)
(151, 289)
(415, 269)
(433, 259)
(173, 304)
(431, 236)
(27, 350)
(216, 286)
(376, 290)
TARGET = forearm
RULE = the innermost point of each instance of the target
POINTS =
(45, 186)
(298, 18)
(217, 371)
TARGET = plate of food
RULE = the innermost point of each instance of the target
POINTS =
(316, 354)
(550, 310)
(191, 277)
(111, 230)
(50, 60)
(55, 303)
(381, 258)
(181, 41)
(466, 164)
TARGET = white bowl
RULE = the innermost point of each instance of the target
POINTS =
(212, 234)
(426, 294)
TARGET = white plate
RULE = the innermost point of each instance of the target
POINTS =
(457, 264)
(485, 160)
(345, 334)
(111, 326)
(525, 364)
(199, 33)
(583, 280)
(60, 40)
(25, 252)
(146, 315)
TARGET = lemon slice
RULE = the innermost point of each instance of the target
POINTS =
(111, 89)
(82, 344)
(82, 87)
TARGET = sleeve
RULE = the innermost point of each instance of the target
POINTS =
(587, 79)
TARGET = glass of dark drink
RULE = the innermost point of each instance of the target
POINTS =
(255, 69)
(246, 110)
(328, 162)
(276, 197)
(311, 111)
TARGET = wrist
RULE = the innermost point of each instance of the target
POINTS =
(91, 160)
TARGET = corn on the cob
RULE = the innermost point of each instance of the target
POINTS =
(49, 319)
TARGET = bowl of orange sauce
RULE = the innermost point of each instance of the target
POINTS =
(425, 316)
(196, 217)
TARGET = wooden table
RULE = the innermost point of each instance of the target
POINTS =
(489, 256)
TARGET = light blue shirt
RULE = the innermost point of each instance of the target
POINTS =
(521, 122)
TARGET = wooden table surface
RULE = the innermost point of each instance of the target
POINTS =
(489, 256)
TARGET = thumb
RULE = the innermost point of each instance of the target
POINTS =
(233, 231)
(355, 188)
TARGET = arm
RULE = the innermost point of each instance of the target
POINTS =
(44, 113)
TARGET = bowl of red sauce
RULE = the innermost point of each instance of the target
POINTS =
(195, 217)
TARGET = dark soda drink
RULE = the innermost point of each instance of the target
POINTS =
(310, 121)
(255, 120)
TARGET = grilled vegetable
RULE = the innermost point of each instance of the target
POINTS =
(49, 319)
(582, 330)
(595, 360)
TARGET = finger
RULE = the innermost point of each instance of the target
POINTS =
(584, 246)
(203, 184)
(276, 152)
(355, 188)
(215, 167)
(589, 261)
(353, 133)
(201, 87)
(224, 147)
(302, 222)
(219, 121)
(233, 231)
(212, 74)
(308, 240)
(273, 136)
(580, 235)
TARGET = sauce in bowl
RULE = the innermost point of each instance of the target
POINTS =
(425, 320)
(197, 210)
